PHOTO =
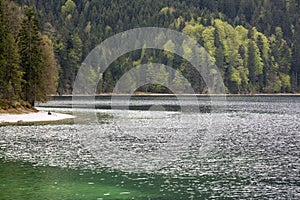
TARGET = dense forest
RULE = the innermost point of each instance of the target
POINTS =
(255, 43)
(28, 67)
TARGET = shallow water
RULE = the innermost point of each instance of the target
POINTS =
(248, 147)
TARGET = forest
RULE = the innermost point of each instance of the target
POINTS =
(254, 43)
(28, 67)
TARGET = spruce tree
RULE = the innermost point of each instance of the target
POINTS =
(2, 59)
(13, 74)
(254, 62)
(10, 73)
(31, 58)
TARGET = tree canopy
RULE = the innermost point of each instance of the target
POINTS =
(25, 58)
(254, 43)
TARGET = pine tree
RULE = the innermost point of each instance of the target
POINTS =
(31, 58)
(179, 83)
(255, 64)
(2, 41)
(13, 74)
(10, 75)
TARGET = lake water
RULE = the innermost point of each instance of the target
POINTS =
(159, 148)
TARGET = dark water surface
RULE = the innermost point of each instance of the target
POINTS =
(246, 147)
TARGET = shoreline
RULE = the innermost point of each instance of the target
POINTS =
(40, 116)
(166, 94)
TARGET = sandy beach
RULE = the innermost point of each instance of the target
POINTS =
(40, 116)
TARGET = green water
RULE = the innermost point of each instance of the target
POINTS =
(24, 181)
(19, 180)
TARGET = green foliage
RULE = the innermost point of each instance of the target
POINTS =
(256, 44)
(180, 83)
(254, 62)
(209, 43)
(31, 58)
(164, 10)
(10, 75)
(169, 47)
(13, 74)
(50, 72)
(28, 70)
(68, 8)
(246, 57)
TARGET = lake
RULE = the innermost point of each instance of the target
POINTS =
(159, 148)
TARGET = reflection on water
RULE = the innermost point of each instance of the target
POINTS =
(158, 154)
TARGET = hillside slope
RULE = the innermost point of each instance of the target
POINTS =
(262, 56)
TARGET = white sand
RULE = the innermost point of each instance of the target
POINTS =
(40, 116)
